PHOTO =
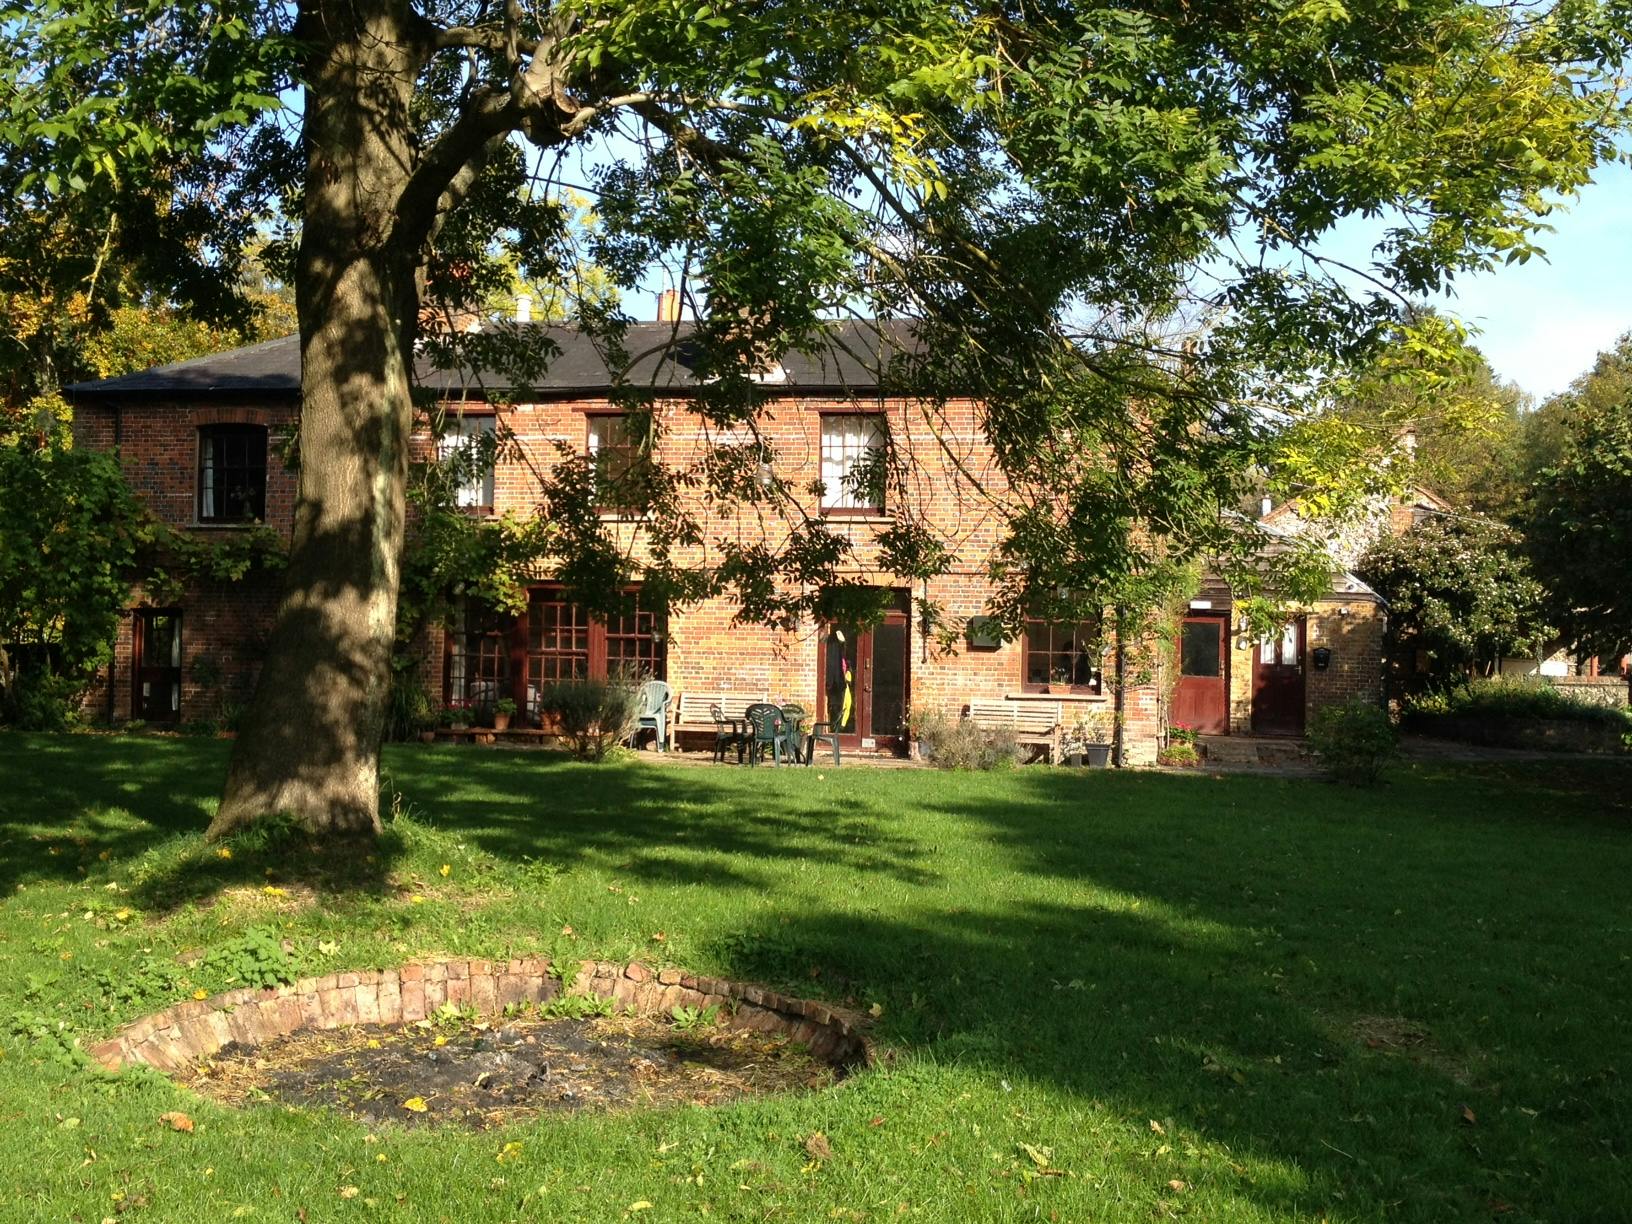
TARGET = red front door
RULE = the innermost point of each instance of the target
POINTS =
(1202, 698)
(1277, 682)
(862, 683)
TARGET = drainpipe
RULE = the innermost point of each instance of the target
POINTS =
(113, 661)
(1118, 698)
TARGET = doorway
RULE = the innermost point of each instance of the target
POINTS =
(1278, 682)
(1201, 699)
(863, 678)
(156, 665)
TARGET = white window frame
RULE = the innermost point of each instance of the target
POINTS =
(848, 437)
(457, 434)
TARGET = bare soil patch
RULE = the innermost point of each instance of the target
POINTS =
(483, 1075)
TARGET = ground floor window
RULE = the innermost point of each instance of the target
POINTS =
(491, 655)
(1062, 656)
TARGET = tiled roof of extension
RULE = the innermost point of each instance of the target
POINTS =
(854, 357)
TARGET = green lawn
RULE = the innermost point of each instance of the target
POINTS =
(1218, 999)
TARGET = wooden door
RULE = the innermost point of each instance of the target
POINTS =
(1278, 682)
(156, 665)
(864, 681)
(1201, 699)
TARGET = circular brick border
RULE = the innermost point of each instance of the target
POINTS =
(171, 1039)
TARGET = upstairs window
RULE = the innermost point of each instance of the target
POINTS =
(231, 473)
(466, 447)
(852, 463)
(1062, 657)
(614, 454)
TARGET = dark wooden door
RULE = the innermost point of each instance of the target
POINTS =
(156, 666)
(1277, 682)
(864, 682)
(1202, 697)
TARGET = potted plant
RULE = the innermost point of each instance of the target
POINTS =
(504, 709)
(1183, 746)
(1088, 741)
(456, 715)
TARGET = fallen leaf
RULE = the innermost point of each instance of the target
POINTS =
(567, 930)
(818, 1146)
(445, 870)
(223, 853)
(201, 994)
(1157, 1127)
(658, 937)
(508, 1152)
(122, 915)
(1468, 1116)
(177, 1121)
(348, 1192)
(272, 890)
(876, 1010)
(641, 1205)
(876, 1120)
(1176, 1184)
(1039, 1155)
(328, 947)
(417, 1104)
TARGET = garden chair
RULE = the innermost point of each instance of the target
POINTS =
(727, 734)
(765, 730)
(811, 734)
(654, 712)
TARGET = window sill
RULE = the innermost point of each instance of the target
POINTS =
(247, 525)
(1089, 698)
(622, 516)
(857, 517)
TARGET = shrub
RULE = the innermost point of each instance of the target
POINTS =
(1179, 752)
(42, 700)
(1507, 698)
(960, 744)
(411, 710)
(1353, 741)
(591, 715)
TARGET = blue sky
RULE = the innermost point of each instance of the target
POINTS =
(1541, 324)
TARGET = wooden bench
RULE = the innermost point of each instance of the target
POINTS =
(692, 710)
(1035, 724)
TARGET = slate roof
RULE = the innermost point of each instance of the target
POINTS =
(853, 357)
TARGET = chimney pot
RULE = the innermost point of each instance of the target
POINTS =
(668, 306)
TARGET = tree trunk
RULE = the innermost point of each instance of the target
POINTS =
(309, 746)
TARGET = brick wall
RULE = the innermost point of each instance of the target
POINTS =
(1351, 628)
(956, 486)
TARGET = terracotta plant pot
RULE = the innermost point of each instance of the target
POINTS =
(501, 721)
(427, 737)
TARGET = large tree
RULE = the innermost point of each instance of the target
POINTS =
(1579, 517)
(1106, 218)
(1460, 590)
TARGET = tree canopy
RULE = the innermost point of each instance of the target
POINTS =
(1105, 219)
(1579, 518)
(1460, 589)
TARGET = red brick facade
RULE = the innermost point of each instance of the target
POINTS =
(955, 485)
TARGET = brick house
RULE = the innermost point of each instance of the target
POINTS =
(200, 442)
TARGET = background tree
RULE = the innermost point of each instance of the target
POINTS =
(1459, 590)
(1579, 518)
(1106, 221)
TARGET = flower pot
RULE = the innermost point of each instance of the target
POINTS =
(1073, 758)
(501, 721)
(427, 737)
(1097, 756)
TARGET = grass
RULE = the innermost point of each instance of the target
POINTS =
(1110, 997)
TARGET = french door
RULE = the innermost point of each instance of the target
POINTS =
(156, 665)
(864, 680)
(1278, 681)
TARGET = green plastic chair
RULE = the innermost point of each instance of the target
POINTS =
(765, 730)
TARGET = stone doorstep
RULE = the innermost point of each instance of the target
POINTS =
(194, 1029)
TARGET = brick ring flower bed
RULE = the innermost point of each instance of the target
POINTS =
(481, 1041)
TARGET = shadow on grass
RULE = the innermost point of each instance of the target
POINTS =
(1314, 981)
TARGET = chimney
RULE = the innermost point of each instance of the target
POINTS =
(1408, 441)
(1265, 506)
(668, 306)
(524, 308)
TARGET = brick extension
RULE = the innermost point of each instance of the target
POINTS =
(196, 1029)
